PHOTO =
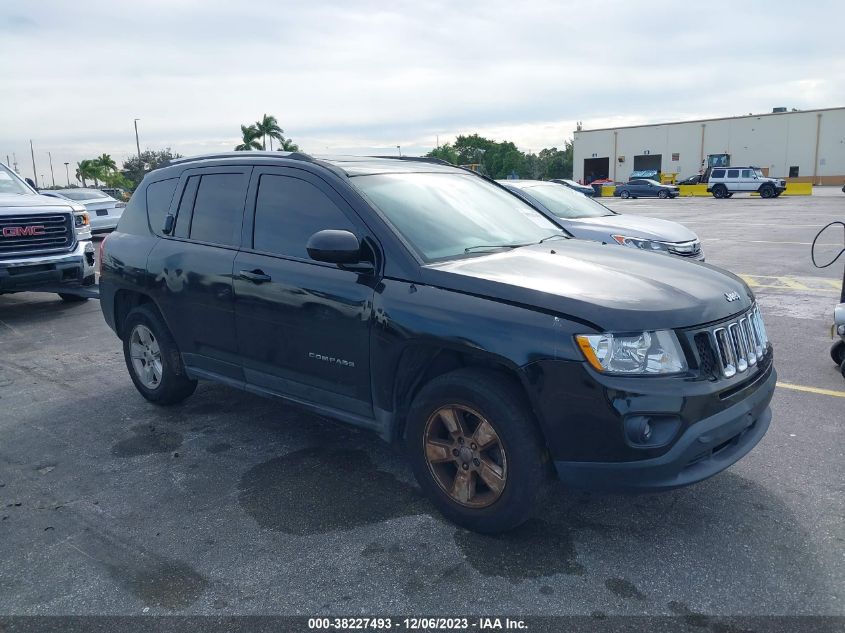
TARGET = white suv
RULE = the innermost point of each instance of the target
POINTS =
(726, 181)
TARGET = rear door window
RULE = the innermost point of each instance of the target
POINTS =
(718, 173)
(746, 173)
(218, 208)
(733, 173)
(159, 195)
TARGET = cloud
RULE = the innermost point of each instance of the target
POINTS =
(367, 76)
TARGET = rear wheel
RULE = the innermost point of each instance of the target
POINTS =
(837, 352)
(153, 360)
(663, 194)
(476, 451)
(719, 191)
(625, 194)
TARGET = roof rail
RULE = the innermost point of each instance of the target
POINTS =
(250, 154)
(418, 159)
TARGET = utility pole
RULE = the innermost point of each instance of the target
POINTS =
(7, 161)
(34, 171)
(67, 173)
(137, 142)
(15, 162)
(52, 175)
(399, 147)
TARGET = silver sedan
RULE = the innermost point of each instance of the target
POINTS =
(103, 210)
(587, 219)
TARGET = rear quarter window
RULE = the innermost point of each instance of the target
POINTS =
(159, 196)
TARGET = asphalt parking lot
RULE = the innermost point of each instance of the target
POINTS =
(230, 504)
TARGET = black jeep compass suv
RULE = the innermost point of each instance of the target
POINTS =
(437, 309)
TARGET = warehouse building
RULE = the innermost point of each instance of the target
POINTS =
(801, 146)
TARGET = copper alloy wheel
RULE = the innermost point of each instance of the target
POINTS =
(465, 455)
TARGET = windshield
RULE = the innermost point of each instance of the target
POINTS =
(443, 215)
(9, 183)
(83, 194)
(759, 173)
(566, 203)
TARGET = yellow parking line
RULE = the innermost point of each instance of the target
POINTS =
(823, 392)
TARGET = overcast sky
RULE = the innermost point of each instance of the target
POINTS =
(366, 76)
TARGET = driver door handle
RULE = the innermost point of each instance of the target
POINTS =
(256, 276)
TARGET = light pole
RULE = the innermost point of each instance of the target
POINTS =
(137, 142)
(34, 170)
(399, 147)
(52, 175)
(67, 173)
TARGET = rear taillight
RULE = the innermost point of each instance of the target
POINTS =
(120, 205)
(102, 250)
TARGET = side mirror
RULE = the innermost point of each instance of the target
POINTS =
(334, 247)
(30, 182)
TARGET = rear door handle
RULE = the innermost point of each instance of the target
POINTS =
(256, 276)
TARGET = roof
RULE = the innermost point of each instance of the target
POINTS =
(520, 183)
(718, 118)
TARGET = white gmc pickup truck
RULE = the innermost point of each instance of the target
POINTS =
(45, 243)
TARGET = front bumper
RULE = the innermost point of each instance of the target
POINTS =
(704, 449)
(50, 273)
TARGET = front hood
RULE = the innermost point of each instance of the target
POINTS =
(32, 203)
(606, 287)
(632, 226)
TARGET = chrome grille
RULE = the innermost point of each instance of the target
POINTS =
(741, 344)
(29, 233)
(684, 249)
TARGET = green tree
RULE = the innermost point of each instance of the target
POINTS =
(106, 163)
(445, 152)
(135, 168)
(269, 126)
(250, 139)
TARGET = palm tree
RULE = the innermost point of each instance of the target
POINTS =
(250, 134)
(288, 145)
(106, 163)
(269, 126)
(88, 169)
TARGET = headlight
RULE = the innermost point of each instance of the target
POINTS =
(656, 352)
(638, 242)
(81, 219)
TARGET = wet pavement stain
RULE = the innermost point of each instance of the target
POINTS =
(222, 447)
(691, 618)
(161, 582)
(534, 550)
(317, 490)
(147, 441)
(624, 588)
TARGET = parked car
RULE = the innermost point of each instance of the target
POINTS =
(45, 243)
(698, 179)
(725, 182)
(588, 219)
(117, 193)
(433, 307)
(104, 210)
(645, 188)
(586, 190)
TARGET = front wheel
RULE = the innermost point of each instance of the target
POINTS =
(625, 194)
(662, 194)
(153, 360)
(476, 450)
(767, 191)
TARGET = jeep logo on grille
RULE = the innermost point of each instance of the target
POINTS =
(732, 296)
(23, 231)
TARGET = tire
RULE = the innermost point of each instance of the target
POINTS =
(837, 352)
(719, 191)
(662, 194)
(625, 194)
(767, 191)
(842, 369)
(71, 298)
(165, 382)
(444, 424)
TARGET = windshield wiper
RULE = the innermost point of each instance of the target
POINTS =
(548, 237)
(469, 249)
